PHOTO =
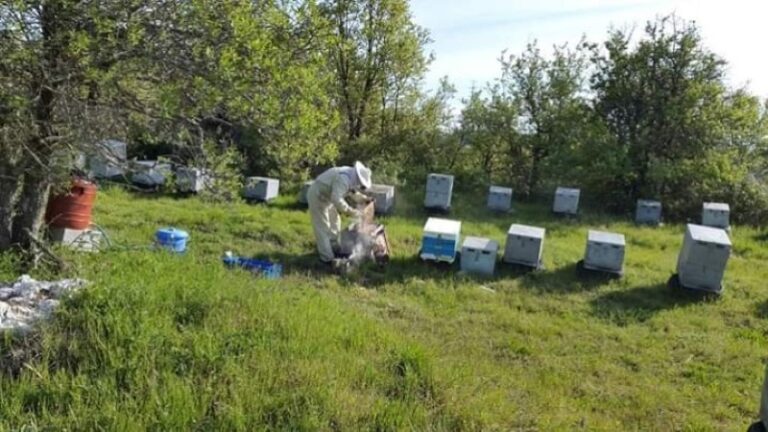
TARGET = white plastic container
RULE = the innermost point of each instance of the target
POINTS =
(716, 215)
(648, 212)
(192, 179)
(703, 258)
(524, 246)
(109, 159)
(566, 201)
(500, 198)
(439, 192)
(82, 240)
(384, 198)
(261, 188)
(441, 239)
(303, 192)
(150, 173)
(605, 252)
(478, 255)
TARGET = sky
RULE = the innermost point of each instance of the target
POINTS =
(469, 36)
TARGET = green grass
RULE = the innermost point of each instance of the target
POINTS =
(162, 342)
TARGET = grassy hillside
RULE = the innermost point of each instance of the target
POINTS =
(162, 342)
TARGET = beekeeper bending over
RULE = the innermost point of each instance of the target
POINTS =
(326, 198)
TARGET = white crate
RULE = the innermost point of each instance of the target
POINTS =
(150, 173)
(440, 240)
(703, 258)
(566, 201)
(303, 192)
(110, 157)
(384, 198)
(716, 215)
(524, 246)
(192, 179)
(261, 188)
(478, 255)
(82, 240)
(648, 212)
(500, 198)
(605, 252)
(439, 191)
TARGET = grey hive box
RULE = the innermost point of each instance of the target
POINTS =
(605, 252)
(566, 201)
(150, 173)
(716, 215)
(500, 198)
(109, 160)
(648, 212)
(703, 258)
(261, 188)
(439, 192)
(524, 245)
(478, 255)
(193, 180)
(303, 192)
(384, 198)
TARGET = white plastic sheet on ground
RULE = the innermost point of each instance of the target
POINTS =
(27, 300)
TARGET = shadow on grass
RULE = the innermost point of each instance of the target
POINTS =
(565, 280)
(761, 310)
(638, 305)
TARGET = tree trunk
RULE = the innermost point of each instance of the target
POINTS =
(9, 188)
(30, 211)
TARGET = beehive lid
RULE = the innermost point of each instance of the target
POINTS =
(605, 237)
(717, 206)
(480, 243)
(568, 191)
(527, 231)
(446, 176)
(442, 226)
(501, 190)
(706, 234)
(649, 203)
(380, 188)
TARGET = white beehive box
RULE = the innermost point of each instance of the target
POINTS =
(703, 258)
(605, 252)
(150, 173)
(440, 240)
(439, 191)
(303, 192)
(261, 188)
(524, 246)
(384, 198)
(648, 212)
(566, 201)
(109, 160)
(478, 255)
(500, 198)
(716, 215)
(192, 179)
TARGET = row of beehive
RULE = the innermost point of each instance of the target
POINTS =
(701, 262)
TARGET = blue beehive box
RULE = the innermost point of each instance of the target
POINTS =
(441, 240)
(172, 239)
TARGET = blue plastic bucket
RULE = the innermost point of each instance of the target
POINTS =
(173, 239)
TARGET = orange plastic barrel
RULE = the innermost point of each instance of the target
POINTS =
(74, 209)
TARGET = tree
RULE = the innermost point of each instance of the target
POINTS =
(75, 72)
(549, 95)
(377, 54)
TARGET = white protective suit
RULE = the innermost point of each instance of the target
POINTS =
(326, 199)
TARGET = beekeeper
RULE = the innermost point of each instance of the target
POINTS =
(327, 200)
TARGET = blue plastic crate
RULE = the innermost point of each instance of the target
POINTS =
(266, 269)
